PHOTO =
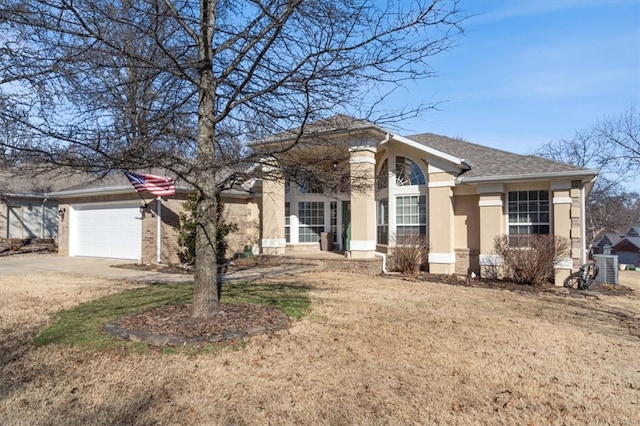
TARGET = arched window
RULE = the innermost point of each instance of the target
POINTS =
(383, 176)
(408, 172)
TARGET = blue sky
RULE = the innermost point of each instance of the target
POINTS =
(532, 71)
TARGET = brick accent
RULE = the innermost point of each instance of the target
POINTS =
(576, 227)
(467, 261)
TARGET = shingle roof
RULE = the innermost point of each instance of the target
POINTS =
(633, 240)
(634, 231)
(28, 180)
(612, 238)
(494, 163)
(117, 179)
(338, 123)
(487, 163)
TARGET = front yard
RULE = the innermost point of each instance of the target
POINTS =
(370, 351)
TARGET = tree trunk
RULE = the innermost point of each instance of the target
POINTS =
(206, 297)
(206, 300)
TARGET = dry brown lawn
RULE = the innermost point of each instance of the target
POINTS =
(372, 351)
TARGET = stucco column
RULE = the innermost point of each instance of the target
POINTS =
(273, 240)
(363, 202)
(562, 203)
(491, 205)
(442, 257)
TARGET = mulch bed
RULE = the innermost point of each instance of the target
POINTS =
(175, 320)
(604, 289)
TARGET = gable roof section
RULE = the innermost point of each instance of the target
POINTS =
(491, 165)
(341, 124)
(335, 125)
(627, 243)
(634, 231)
(609, 238)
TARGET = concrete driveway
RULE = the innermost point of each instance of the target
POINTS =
(99, 267)
(90, 266)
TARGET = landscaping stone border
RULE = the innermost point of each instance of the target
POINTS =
(116, 329)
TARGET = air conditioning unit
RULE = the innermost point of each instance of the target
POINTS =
(607, 268)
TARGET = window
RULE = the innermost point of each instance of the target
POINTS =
(383, 176)
(333, 220)
(382, 220)
(311, 216)
(408, 172)
(528, 212)
(411, 216)
(287, 221)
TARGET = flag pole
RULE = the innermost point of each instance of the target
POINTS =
(159, 229)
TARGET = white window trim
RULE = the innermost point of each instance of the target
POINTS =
(508, 223)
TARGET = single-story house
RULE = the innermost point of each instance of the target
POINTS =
(626, 246)
(457, 194)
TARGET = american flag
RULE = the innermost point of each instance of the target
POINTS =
(157, 185)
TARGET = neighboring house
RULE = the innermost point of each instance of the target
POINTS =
(626, 246)
(26, 211)
(457, 194)
(107, 218)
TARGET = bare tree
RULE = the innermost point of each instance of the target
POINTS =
(623, 135)
(613, 147)
(103, 85)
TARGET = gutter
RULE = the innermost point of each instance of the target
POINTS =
(501, 178)
(30, 196)
(109, 190)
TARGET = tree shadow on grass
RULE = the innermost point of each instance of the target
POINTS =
(292, 299)
(597, 317)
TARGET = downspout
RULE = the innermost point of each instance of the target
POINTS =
(583, 216)
(159, 230)
(384, 261)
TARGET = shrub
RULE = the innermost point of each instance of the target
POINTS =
(529, 259)
(410, 253)
(187, 231)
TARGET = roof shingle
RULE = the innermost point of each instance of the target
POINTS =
(490, 162)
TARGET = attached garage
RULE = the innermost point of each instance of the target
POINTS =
(111, 230)
(107, 218)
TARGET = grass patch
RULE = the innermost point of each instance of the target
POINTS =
(81, 326)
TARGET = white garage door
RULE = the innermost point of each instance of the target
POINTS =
(106, 230)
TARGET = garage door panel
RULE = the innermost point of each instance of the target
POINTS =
(113, 231)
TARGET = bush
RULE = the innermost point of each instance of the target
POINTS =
(529, 259)
(410, 253)
(188, 226)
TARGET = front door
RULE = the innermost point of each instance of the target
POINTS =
(346, 225)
